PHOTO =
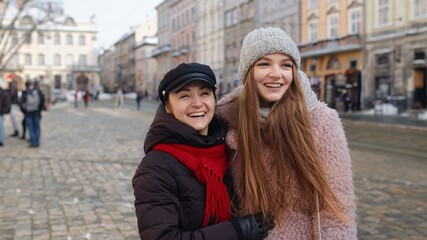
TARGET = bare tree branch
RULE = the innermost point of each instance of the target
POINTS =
(40, 13)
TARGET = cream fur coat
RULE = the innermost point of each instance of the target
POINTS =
(331, 144)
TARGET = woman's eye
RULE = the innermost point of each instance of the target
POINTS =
(184, 96)
(287, 65)
(262, 64)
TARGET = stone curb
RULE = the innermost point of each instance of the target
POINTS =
(385, 125)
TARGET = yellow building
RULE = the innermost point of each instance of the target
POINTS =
(331, 49)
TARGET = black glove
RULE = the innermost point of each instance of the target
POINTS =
(253, 227)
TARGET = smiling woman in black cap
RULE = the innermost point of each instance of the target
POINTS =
(182, 186)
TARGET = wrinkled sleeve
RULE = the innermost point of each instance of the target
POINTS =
(332, 146)
(157, 205)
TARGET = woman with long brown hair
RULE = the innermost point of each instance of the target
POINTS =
(289, 152)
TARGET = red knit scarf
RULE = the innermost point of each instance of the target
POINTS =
(209, 166)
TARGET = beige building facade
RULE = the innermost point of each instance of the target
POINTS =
(210, 36)
(61, 54)
(183, 20)
(145, 65)
(162, 53)
(239, 20)
(396, 47)
(282, 14)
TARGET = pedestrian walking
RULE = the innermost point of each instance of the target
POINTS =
(138, 99)
(21, 105)
(76, 98)
(290, 152)
(14, 109)
(346, 100)
(86, 98)
(119, 97)
(4, 109)
(33, 103)
(182, 186)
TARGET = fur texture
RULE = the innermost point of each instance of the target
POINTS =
(331, 144)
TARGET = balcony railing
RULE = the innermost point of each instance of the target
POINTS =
(327, 46)
(162, 49)
(85, 68)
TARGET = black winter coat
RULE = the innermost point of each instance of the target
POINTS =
(169, 200)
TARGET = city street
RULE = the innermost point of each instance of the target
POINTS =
(77, 185)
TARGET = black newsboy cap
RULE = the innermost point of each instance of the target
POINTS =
(185, 73)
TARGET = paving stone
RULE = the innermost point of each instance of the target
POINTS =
(78, 183)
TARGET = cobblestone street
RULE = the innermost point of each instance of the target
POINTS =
(77, 185)
(390, 177)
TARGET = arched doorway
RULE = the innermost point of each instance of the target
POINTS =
(82, 82)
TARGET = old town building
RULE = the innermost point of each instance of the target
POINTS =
(162, 53)
(210, 36)
(183, 20)
(395, 52)
(331, 49)
(61, 54)
(239, 21)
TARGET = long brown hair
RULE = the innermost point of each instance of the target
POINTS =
(289, 135)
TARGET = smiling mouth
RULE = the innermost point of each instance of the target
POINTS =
(273, 85)
(197, 114)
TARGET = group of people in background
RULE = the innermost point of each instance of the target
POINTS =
(31, 101)
(266, 161)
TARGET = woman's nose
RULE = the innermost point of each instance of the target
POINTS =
(275, 72)
(196, 101)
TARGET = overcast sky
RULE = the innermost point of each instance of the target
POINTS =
(114, 17)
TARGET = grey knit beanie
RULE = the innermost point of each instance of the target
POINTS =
(263, 41)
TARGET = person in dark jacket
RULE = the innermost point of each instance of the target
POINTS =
(4, 109)
(182, 186)
(13, 94)
(21, 105)
(33, 96)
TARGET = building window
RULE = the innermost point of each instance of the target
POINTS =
(228, 19)
(382, 60)
(57, 81)
(420, 8)
(333, 26)
(383, 12)
(57, 39)
(57, 60)
(353, 64)
(28, 59)
(82, 60)
(70, 61)
(312, 31)
(312, 4)
(28, 38)
(354, 21)
(40, 38)
(69, 39)
(14, 61)
(40, 59)
(333, 63)
(82, 40)
(14, 39)
(235, 16)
